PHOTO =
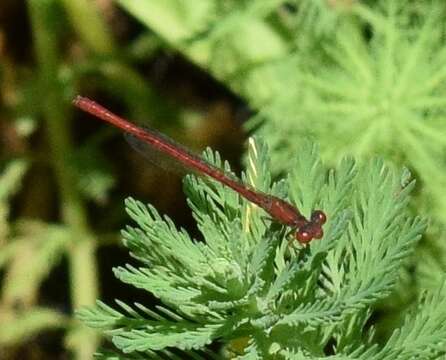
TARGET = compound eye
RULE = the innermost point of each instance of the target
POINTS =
(304, 236)
(318, 217)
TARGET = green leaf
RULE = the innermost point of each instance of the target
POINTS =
(42, 245)
(184, 336)
(17, 329)
(10, 178)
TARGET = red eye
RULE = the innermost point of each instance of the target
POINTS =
(318, 217)
(304, 236)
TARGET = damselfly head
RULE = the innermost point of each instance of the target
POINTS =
(307, 233)
(312, 229)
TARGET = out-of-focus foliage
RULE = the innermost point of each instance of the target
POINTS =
(70, 46)
(363, 95)
(243, 43)
(41, 246)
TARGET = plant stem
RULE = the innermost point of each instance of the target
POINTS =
(89, 25)
(83, 272)
(120, 79)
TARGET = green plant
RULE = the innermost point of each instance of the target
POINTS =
(361, 77)
(18, 241)
(295, 62)
(244, 282)
(35, 93)
(375, 87)
(385, 94)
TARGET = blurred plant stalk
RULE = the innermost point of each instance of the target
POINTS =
(56, 113)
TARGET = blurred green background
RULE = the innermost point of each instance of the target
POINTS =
(65, 175)
(359, 77)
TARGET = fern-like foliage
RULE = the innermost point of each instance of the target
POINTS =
(374, 85)
(246, 287)
(361, 76)
(377, 87)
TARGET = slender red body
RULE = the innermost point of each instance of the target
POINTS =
(280, 210)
